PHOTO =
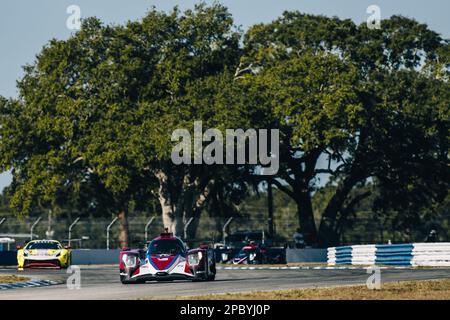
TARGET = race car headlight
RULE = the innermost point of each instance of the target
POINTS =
(25, 253)
(194, 259)
(58, 254)
(252, 256)
(129, 260)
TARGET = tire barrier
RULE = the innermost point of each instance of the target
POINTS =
(411, 254)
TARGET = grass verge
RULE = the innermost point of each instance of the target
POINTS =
(12, 278)
(405, 290)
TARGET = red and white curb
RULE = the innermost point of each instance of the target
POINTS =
(304, 268)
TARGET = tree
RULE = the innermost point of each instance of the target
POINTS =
(99, 108)
(315, 99)
(343, 114)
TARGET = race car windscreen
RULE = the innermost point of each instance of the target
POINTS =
(43, 245)
(165, 247)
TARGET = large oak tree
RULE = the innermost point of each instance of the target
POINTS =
(371, 103)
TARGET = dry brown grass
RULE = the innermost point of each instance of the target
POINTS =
(405, 290)
(12, 278)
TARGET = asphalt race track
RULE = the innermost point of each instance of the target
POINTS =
(103, 282)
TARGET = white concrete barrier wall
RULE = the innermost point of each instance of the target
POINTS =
(306, 255)
(95, 256)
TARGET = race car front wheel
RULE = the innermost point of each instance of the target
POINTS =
(209, 275)
(204, 277)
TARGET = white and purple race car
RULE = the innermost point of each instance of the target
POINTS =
(166, 259)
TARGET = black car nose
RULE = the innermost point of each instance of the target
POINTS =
(161, 274)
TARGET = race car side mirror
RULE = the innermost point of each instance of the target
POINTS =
(18, 247)
(125, 249)
(67, 247)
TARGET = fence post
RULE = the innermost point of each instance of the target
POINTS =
(186, 227)
(70, 229)
(32, 227)
(107, 232)
(149, 222)
(224, 229)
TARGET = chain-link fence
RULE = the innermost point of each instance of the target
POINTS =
(389, 230)
(92, 232)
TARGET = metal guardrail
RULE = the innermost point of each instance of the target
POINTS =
(410, 254)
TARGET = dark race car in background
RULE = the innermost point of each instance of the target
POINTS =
(240, 239)
(166, 259)
(257, 254)
(250, 254)
(249, 247)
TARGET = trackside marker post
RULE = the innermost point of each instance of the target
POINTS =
(107, 232)
(71, 227)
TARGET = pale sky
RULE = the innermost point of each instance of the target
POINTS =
(27, 25)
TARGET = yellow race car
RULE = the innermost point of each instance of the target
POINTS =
(43, 254)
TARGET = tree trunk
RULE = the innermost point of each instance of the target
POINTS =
(328, 234)
(302, 198)
(270, 208)
(344, 213)
(172, 219)
(195, 206)
(306, 217)
(170, 205)
(181, 198)
(123, 229)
